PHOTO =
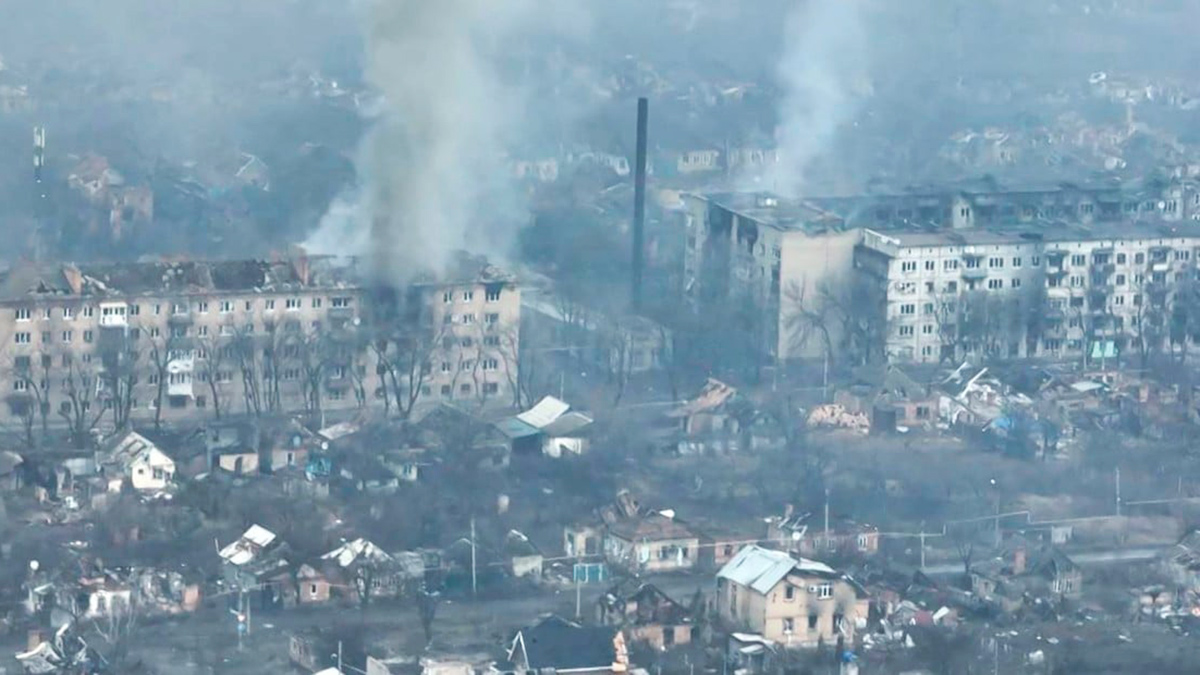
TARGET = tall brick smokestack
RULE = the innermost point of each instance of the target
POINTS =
(639, 203)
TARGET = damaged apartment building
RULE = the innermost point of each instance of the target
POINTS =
(943, 273)
(107, 344)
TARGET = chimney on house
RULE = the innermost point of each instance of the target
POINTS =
(300, 265)
(74, 278)
(788, 510)
(1018, 566)
(639, 203)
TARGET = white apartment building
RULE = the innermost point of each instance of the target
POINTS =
(1061, 290)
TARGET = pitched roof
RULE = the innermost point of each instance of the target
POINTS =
(567, 425)
(562, 645)
(126, 448)
(761, 568)
(358, 551)
(248, 546)
(651, 527)
(546, 411)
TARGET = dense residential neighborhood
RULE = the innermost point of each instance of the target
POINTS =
(644, 337)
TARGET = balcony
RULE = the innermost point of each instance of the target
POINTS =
(184, 318)
(112, 315)
(974, 273)
(1103, 269)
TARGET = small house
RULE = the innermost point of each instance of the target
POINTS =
(549, 427)
(719, 419)
(557, 645)
(523, 559)
(794, 601)
(890, 398)
(134, 458)
(647, 614)
(237, 460)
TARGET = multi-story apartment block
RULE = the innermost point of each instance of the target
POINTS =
(1099, 289)
(474, 314)
(985, 202)
(759, 252)
(106, 344)
(783, 262)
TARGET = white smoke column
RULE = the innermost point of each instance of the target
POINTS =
(434, 152)
(824, 60)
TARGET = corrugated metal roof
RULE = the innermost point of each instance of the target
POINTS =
(514, 428)
(248, 545)
(761, 568)
(546, 411)
(758, 568)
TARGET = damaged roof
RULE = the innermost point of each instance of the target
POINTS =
(175, 277)
(248, 546)
(650, 527)
(358, 551)
(761, 569)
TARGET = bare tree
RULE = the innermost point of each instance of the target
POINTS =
(30, 399)
(245, 355)
(809, 315)
(118, 628)
(163, 350)
(616, 352)
(120, 362)
(314, 362)
(403, 360)
(215, 356)
(79, 410)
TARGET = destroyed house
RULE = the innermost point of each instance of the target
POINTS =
(639, 539)
(1181, 562)
(647, 614)
(258, 562)
(1025, 567)
(131, 456)
(719, 419)
(805, 534)
(890, 398)
(361, 562)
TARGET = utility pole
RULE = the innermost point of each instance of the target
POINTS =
(474, 588)
(339, 656)
(922, 545)
(578, 596)
(1117, 471)
(826, 517)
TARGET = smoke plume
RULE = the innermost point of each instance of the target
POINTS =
(431, 170)
(822, 68)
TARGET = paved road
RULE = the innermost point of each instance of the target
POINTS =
(205, 643)
(1085, 558)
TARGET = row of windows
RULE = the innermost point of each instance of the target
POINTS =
(469, 364)
(1077, 280)
(972, 262)
(224, 330)
(178, 308)
(465, 389)
(490, 319)
(468, 296)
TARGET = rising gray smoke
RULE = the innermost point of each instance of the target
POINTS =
(823, 72)
(432, 174)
